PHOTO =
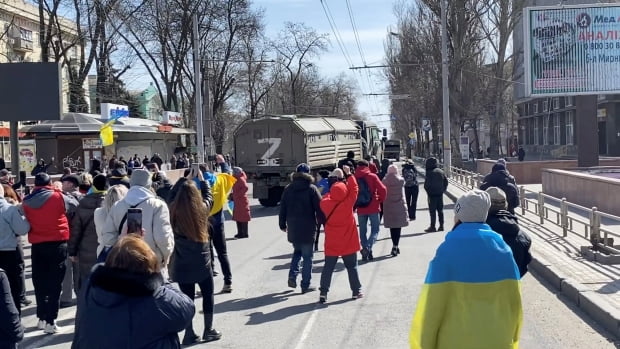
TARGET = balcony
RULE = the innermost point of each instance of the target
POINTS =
(22, 45)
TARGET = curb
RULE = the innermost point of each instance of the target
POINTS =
(590, 302)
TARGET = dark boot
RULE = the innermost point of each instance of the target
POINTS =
(190, 336)
(211, 335)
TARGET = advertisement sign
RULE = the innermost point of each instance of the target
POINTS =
(91, 143)
(27, 155)
(426, 125)
(114, 111)
(464, 147)
(171, 118)
(572, 50)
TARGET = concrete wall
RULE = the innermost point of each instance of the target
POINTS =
(530, 172)
(603, 193)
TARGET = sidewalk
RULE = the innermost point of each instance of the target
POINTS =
(591, 286)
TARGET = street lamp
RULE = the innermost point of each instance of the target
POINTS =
(447, 149)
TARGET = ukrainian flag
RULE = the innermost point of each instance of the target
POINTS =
(105, 132)
(220, 189)
(471, 298)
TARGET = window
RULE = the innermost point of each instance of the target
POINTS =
(556, 103)
(569, 127)
(25, 34)
(556, 130)
(545, 140)
(536, 108)
(545, 106)
(568, 101)
(536, 138)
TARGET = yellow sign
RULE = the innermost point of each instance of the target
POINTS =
(412, 135)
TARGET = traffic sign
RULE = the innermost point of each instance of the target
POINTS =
(412, 135)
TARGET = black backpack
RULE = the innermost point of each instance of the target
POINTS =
(364, 196)
(410, 177)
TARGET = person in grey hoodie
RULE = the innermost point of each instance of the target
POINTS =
(12, 225)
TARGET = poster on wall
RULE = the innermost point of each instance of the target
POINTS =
(27, 155)
(572, 50)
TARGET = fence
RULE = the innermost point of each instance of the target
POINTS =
(541, 204)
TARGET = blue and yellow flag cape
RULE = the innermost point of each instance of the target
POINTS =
(471, 298)
(223, 184)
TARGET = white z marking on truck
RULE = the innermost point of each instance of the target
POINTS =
(274, 145)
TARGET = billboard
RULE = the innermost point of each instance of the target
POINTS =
(114, 111)
(171, 118)
(572, 50)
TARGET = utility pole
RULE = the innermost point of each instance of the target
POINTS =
(198, 93)
(447, 150)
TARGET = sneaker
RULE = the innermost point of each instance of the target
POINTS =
(41, 324)
(322, 298)
(51, 328)
(430, 230)
(292, 283)
(394, 252)
(25, 301)
(308, 289)
(357, 295)
(66, 304)
(211, 335)
(440, 228)
(227, 288)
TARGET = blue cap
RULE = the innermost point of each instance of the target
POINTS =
(303, 167)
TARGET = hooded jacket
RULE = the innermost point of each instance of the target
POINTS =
(119, 176)
(119, 309)
(395, 214)
(377, 190)
(11, 329)
(12, 224)
(506, 224)
(471, 298)
(436, 182)
(300, 210)
(155, 222)
(500, 178)
(83, 238)
(241, 210)
(47, 210)
(341, 235)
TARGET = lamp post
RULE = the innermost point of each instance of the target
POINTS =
(447, 150)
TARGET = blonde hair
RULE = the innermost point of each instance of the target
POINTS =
(57, 185)
(114, 194)
(86, 179)
(132, 254)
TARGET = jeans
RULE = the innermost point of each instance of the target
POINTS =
(374, 229)
(302, 251)
(218, 239)
(48, 271)
(206, 288)
(10, 262)
(350, 262)
(411, 198)
(435, 206)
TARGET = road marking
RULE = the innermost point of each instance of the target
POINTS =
(306, 332)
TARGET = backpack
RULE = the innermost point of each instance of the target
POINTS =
(364, 197)
(410, 177)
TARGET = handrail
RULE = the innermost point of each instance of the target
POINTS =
(591, 229)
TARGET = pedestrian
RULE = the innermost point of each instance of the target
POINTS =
(164, 188)
(2, 163)
(113, 194)
(173, 162)
(71, 187)
(191, 260)
(40, 167)
(127, 303)
(323, 183)
(155, 218)
(95, 167)
(499, 177)
(14, 199)
(119, 175)
(435, 184)
(157, 160)
(371, 195)
(241, 210)
(341, 236)
(385, 163)
(11, 329)
(506, 224)
(471, 298)
(521, 153)
(299, 213)
(46, 210)
(410, 174)
(12, 226)
(86, 182)
(395, 209)
(349, 160)
(371, 165)
(82, 247)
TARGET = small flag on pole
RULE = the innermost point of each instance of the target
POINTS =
(105, 132)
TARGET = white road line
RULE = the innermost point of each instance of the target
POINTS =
(306, 332)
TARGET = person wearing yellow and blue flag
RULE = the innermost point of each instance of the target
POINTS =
(471, 298)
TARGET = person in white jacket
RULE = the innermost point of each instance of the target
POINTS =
(155, 217)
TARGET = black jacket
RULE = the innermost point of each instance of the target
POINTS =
(11, 329)
(347, 161)
(83, 235)
(436, 181)
(506, 224)
(191, 260)
(119, 309)
(300, 210)
(501, 179)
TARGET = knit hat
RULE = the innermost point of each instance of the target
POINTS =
(392, 169)
(237, 171)
(4, 172)
(498, 167)
(42, 179)
(498, 199)
(140, 178)
(501, 161)
(303, 167)
(73, 178)
(100, 181)
(337, 173)
(473, 206)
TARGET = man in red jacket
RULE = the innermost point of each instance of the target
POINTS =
(370, 211)
(46, 210)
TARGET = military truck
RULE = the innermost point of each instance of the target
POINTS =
(269, 149)
(372, 142)
(392, 149)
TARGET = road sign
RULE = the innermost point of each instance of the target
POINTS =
(412, 135)
(464, 147)
(426, 125)
(400, 96)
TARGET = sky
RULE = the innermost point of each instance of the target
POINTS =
(372, 18)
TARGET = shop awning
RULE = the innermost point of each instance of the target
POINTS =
(5, 132)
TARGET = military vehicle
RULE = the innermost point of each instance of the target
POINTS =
(392, 149)
(269, 149)
(372, 141)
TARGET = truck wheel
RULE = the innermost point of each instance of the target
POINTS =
(275, 194)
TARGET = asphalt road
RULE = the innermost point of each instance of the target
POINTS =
(262, 312)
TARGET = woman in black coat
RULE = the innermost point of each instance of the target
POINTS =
(11, 329)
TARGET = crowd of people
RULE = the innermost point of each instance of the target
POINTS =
(83, 242)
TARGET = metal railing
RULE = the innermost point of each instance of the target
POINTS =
(535, 202)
